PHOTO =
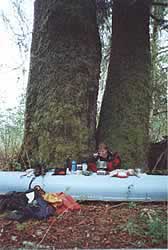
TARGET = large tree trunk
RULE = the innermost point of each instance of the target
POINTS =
(60, 117)
(124, 117)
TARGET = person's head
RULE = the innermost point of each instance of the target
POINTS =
(103, 150)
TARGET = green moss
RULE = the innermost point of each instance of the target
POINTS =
(60, 134)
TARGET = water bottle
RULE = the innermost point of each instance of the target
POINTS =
(84, 166)
(68, 166)
(73, 166)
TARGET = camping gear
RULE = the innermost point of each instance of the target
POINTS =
(101, 164)
(84, 166)
(12, 201)
(102, 172)
(37, 209)
(73, 166)
(92, 187)
(61, 202)
(59, 171)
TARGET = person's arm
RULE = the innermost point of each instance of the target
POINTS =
(114, 163)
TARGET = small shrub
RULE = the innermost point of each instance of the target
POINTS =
(131, 227)
(149, 223)
(132, 204)
(157, 229)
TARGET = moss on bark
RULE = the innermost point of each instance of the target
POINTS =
(124, 117)
(63, 81)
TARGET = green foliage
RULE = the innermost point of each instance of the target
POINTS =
(149, 223)
(131, 227)
(11, 135)
(158, 125)
(156, 225)
(159, 49)
(157, 229)
(132, 204)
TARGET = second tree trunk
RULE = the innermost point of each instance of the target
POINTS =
(124, 117)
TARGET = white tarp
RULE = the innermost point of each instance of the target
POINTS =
(93, 187)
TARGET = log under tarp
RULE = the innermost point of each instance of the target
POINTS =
(93, 187)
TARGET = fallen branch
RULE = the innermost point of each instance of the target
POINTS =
(118, 205)
(159, 159)
(52, 223)
(50, 226)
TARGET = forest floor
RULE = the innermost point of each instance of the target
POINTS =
(98, 225)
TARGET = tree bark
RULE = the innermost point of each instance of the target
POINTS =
(124, 116)
(60, 117)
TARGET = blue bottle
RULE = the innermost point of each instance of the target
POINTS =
(73, 166)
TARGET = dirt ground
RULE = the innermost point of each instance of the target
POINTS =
(98, 225)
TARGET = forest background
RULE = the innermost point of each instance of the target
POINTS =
(17, 20)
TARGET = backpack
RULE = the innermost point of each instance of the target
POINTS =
(13, 201)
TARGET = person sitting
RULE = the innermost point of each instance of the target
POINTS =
(104, 158)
